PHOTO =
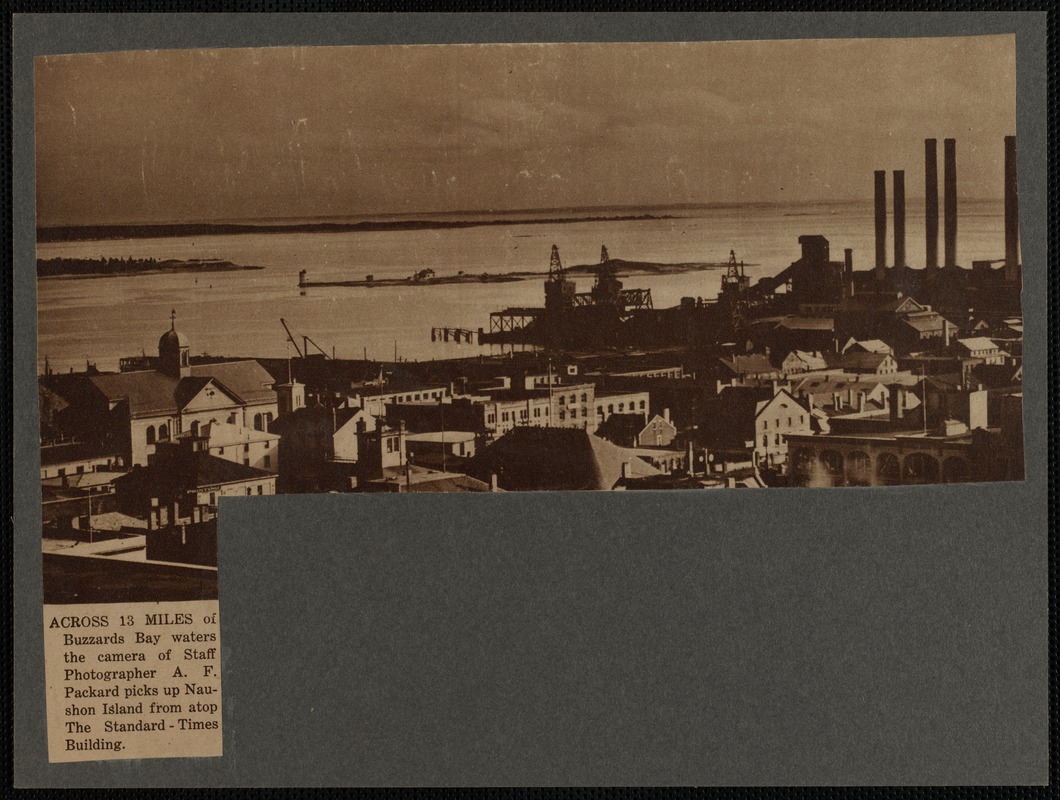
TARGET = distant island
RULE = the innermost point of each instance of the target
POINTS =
(103, 267)
(428, 277)
(80, 233)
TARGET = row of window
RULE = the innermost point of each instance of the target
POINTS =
(262, 421)
(573, 398)
(260, 489)
(633, 406)
(414, 396)
(776, 422)
(524, 414)
(161, 434)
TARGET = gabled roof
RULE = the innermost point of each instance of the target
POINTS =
(187, 389)
(856, 361)
(812, 360)
(247, 380)
(907, 305)
(872, 345)
(147, 392)
(978, 343)
(750, 364)
(183, 471)
(924, 322)
(150, 392)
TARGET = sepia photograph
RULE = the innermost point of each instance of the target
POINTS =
(506, 268)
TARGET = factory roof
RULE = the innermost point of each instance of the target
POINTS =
(449, 437)
(69, 452)
(854, 361)
(796, 323)
(530, 458)
(751, 364)
(929, 321)
(977, 343)
(222, 434)
(182, 470)
(870, 346)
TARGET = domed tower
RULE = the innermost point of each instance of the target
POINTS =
(173, 351)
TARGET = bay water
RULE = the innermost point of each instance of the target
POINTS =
(237, 313)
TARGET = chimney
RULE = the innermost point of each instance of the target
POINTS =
(666, 414)
(493, 482)
(881, 222)
(949, 200)
(861, 402)
(848, 271)
(627, 470)
(1012, 213)
(899, 218)
(931, 202)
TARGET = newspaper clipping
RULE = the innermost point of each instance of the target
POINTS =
(491, 268)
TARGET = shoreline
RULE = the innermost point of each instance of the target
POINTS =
(57, 268)
(90, 233)
(622, 269)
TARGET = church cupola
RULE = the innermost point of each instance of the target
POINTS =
(173, 351)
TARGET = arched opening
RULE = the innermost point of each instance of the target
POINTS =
(859, 469)
(888, 471)
(195, 428)
(163, 433)
(955, 470)
(802, 462)
(832, 461)
(920, 468)
(257, 422)
(150, 434)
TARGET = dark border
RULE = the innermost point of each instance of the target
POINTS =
(6, 286)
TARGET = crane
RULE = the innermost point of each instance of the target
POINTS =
(291, 337)
(303, 351)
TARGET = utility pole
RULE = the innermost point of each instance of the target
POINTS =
(548, 415)
(923, 393)
(442, 404)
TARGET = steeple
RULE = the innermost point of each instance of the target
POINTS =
(174, 351)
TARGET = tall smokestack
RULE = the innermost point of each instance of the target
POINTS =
(931, 202)
(949, 200)
(1012, 213)
(899, 218)
(881, 221)
(848, 271)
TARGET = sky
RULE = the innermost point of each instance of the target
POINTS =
(276, 133)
